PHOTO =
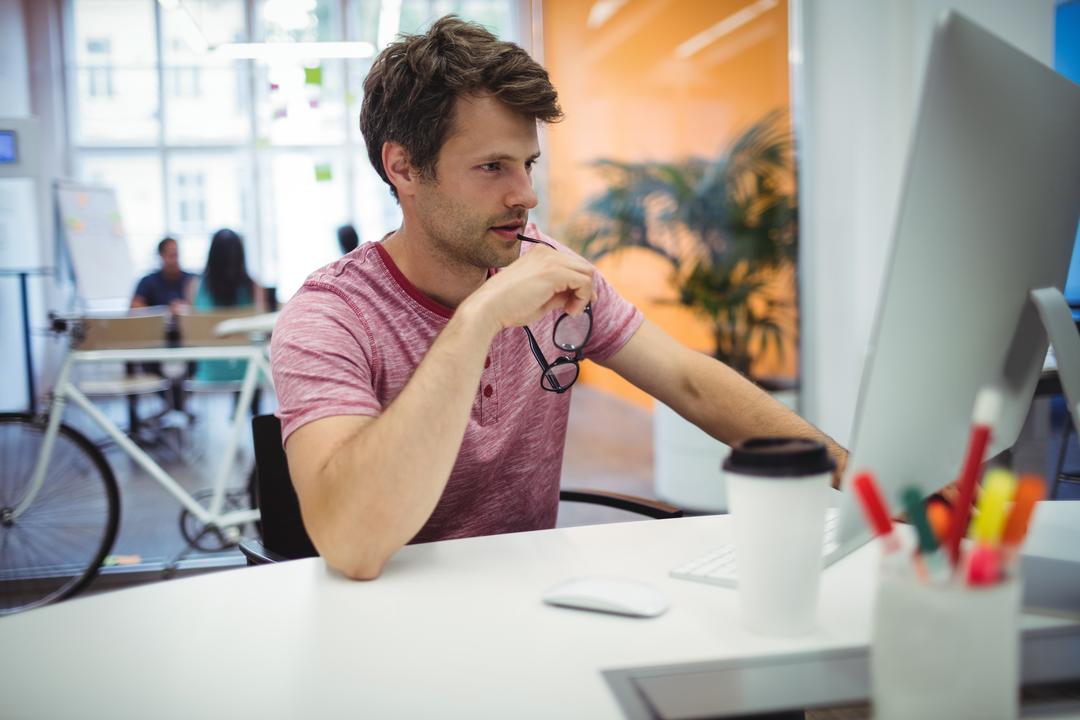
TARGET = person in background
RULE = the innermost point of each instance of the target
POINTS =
(167, 286)
(225, 283)
(347, 238)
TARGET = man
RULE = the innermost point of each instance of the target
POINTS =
(167, 286)
(414, 406)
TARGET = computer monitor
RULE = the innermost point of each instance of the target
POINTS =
(988, 213)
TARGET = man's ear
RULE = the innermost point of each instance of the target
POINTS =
(399, 169)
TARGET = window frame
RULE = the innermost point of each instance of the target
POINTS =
(262, 245)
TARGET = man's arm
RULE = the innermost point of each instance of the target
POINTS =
(710, 394)
(140, 298)
(367, 485)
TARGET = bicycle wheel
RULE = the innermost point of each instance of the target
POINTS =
(54, 548)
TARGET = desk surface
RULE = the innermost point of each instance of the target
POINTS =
(451, 629)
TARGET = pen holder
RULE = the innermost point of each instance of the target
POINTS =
(945, 650)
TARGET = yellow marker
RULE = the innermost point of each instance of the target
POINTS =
(997, 491)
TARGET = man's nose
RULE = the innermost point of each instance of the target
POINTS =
(521, 193)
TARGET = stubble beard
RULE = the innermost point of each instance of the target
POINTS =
(460, 237)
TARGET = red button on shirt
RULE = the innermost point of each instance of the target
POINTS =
(488, 391)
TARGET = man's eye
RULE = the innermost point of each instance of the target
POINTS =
(492, 167)
(529, 165)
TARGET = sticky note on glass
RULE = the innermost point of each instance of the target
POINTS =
(313, 76)
(323, 172)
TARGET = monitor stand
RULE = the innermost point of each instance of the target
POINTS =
(1052, 580)
(1061, 330)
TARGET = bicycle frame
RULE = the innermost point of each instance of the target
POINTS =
(65, 390)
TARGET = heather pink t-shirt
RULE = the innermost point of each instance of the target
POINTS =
(351, 338)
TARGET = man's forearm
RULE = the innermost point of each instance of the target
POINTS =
(387, 478)
(732, 409)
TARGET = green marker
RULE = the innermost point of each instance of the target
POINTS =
(917, 514)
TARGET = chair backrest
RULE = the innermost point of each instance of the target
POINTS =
(142, 330)
(282, 526)
(199, 328)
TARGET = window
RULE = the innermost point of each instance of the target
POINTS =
(184, 82)
(100, 73)
(191, 198)
(195, 140)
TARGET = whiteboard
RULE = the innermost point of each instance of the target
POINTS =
(96, 243)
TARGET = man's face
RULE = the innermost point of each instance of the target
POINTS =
(170, 258)
(482, 193)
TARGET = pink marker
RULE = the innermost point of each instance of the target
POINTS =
(984, 566)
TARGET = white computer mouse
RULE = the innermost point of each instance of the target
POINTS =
(612, 595)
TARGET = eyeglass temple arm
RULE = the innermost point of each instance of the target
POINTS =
(537, 353)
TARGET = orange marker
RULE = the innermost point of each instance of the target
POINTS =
(1029, 491)
(939, 515)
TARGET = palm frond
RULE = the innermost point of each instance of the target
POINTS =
(742, 221)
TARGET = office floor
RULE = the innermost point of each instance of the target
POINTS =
(609, 446)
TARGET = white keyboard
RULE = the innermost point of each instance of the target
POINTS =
(717, 567)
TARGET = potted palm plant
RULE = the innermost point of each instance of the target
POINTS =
(728, 226)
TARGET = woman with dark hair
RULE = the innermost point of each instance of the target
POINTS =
(347, 238)
(225, 283)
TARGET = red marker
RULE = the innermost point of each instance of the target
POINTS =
(987, 408)
(877, 513)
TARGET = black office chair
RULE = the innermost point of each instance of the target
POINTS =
(282, 529)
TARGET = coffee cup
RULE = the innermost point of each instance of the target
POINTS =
(778, 495)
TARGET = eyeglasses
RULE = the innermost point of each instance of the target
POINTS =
(570, 334)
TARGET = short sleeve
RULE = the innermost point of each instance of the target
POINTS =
(321, 355)
(146, 290)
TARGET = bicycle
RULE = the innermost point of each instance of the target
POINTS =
(59, 500)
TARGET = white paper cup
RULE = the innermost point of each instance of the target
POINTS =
(778, 494)
(945, 651)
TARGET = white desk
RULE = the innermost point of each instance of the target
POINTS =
(451, 629)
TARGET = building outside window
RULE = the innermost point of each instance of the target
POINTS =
(194, 138)
(101, 73)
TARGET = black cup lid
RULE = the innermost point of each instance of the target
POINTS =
(779, 457)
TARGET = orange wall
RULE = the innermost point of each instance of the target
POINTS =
(628, 97)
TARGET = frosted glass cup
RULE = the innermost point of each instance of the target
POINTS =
(778, 493)
(945, 651)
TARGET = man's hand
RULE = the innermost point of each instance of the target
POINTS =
(538, 282)
(408, 452)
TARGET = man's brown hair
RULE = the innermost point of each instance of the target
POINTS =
(410, 91)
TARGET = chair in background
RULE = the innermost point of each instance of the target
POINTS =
(282, 529)
(203, 329)
(1061, 475)
(136, 330)
(200, 329)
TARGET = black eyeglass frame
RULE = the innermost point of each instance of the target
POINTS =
(578, 352)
